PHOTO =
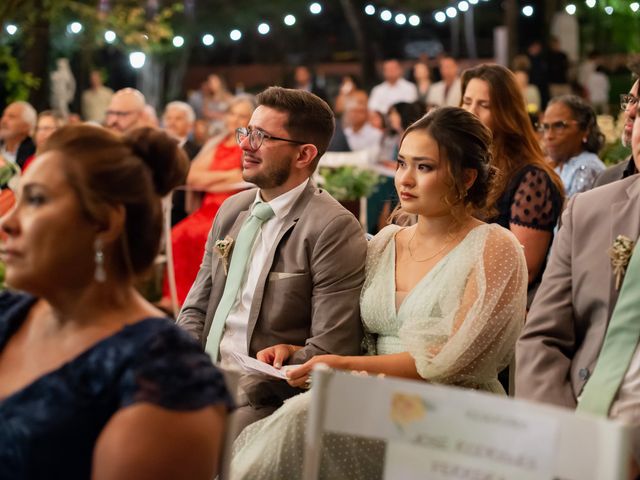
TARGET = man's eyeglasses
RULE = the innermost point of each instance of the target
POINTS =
(555, 127)
(256, 137)
(627, 100)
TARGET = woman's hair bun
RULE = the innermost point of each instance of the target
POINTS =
(168, 163)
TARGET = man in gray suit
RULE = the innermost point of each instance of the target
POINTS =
(303, 278)
(629, 105)
(562, 337)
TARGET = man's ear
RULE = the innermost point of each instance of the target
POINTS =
(306, 156)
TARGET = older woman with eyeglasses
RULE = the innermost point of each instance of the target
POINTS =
(572, 140)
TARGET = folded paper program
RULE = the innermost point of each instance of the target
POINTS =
(253, 366)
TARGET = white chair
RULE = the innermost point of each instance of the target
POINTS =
(435, 432)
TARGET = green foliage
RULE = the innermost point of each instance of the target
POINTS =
(613, 153)
(7, 172)
(349, 183)
(134, 29)
(17, 83)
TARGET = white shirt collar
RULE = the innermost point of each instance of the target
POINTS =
(283, 204)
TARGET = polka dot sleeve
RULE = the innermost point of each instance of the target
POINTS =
(533, 204)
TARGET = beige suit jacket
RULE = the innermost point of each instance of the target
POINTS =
(308, 292)
(565, 328)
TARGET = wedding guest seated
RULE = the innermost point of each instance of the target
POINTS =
(48, 122)
(94, 381)
(219, 167)
(177, 120)
(579, 347)
(443, 300)
(572, 139)
(126, 111)
(349, 87)
(361, 135)
(283, 262)
(629, 107)
(529, 195)
(421, 74)
(16, 126)
(447, 90)
(394, 89)
(382, 202)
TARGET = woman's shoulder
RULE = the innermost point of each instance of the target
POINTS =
(501, 241)
(535, 182)
(14, 305)
(383, 237)
(588, 160)
(529, 171)
(167, 367)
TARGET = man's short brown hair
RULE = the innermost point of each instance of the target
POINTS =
(310, 119)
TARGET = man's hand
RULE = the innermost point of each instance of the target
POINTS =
(277, 355)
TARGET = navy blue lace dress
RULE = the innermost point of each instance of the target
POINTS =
(49, 428)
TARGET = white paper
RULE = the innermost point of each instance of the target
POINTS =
(252, 365)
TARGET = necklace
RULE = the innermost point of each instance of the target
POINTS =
(446, 244)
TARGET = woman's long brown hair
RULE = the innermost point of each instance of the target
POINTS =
(514, 140)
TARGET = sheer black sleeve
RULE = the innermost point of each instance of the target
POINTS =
(536, 201)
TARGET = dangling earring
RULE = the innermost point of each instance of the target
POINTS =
(99, 274)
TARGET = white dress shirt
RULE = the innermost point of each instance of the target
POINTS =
(437, 95)
(7, 155)
(367, 137)
(384, 95)
(234, 338)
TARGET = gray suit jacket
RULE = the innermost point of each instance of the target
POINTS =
(307, 294)
(616, 172)
(565, 328)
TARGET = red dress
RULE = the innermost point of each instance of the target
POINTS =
(189, 236)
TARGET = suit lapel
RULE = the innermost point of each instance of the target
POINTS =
(625, 215)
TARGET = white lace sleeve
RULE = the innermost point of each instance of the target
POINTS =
(477, 318)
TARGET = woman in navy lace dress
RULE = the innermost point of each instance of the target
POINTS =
(94, 382)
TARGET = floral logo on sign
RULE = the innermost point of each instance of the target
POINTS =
(407, 409)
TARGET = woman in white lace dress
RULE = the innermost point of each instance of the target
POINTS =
(443, 300)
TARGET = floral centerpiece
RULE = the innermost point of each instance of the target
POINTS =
(349, 183)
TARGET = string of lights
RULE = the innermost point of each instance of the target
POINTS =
(137, 59)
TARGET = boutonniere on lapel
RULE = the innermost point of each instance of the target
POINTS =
(223, 248)
(620, 253)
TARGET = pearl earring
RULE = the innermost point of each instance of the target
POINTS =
(99, 274)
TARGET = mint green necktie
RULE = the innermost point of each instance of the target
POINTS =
(240, 254)
(620, 343)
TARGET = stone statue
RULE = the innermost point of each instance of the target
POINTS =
(63, 87)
